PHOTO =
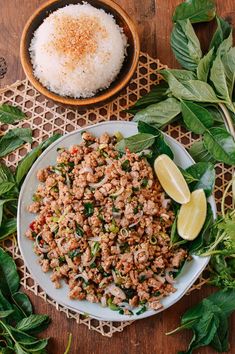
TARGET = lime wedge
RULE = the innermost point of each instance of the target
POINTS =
(171, 179)
(192, 216)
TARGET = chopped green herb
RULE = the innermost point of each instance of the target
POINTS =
(115, 210)
(144, 182)
(61, 259)
(126, 166)
(142, 310)
(135, 189)
(124, 247)
(36, 198)
(74, 253)
(112, 306)
(89, 209)
(142, 278)
(93, 265)
(95, 248)
(79, 230)
(135, 210)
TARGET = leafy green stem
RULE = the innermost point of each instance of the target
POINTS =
(69, 344)
(186, 325)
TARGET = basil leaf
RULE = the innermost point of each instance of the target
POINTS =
(220, 145)
(204, 66)
(2, 202)
(218, 79)
(136, 143)
(10, 114)
(185, 45)
(26, 163)
(159, 146)
(7, 228)
(228, 61)
(6, 175)
(6, 187)
(10, 280)
(33, 324)
(195, 11)
(220, 340)
(6, 313)
(159, 114)
(222, 32)
(192, 90)
(183, 75)
(196, 118)
(200, 153)
(13, 139)
(225, 45)
(204, 175)
(156, 94)
(23, 303)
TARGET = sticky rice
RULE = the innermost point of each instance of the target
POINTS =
(77, 51)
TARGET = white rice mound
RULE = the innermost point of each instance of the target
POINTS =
(77, 51)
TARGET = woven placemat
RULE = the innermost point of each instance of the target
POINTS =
(46, 118)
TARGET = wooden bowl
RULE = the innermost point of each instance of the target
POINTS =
(127, 70)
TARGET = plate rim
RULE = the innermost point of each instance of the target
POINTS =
(124, 318)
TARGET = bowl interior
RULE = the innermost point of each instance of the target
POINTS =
(132, 50)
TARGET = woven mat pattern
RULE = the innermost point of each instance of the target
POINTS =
(46, 118)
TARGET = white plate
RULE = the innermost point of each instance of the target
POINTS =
(187, 277)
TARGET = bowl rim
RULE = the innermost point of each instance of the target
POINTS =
(27, 66)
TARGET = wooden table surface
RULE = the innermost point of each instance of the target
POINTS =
(153, 18)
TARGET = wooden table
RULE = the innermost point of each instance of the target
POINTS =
(153, 18)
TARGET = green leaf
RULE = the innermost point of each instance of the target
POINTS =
(33, 324)
(192, 90)
(195, 11)
(225, 45)
(6, 175)
(228, 61)
(10, 114)
(23, 303)
(222, 32)
(19, 349)
(220, 340)
(136, 143)
(220, 145)
(200, 153)
(10, 280)
(13, 139)
(6, 187)
(6, 313)
(196, 118)
(218, 79)
(185, 45)
(183, 75)
(157, 93)
(225, 300)
(7, 228)
(159, 114)
(159, 146)
(27, 162)
(204, 66)
(204, 175)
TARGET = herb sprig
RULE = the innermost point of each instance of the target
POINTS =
(18, 324)
(204, 82)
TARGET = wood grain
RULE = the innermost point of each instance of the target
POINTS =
(153, 18)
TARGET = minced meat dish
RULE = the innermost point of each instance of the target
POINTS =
(103, 225)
